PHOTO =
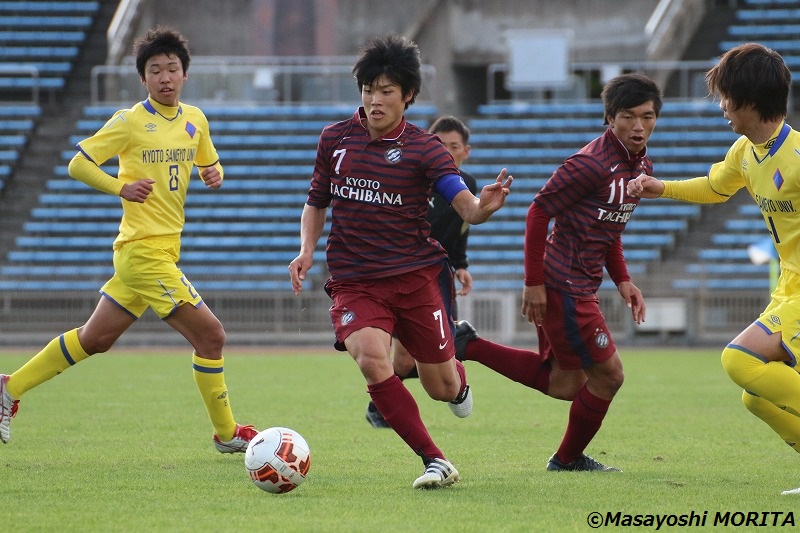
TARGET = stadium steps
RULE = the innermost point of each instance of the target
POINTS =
(41, 152)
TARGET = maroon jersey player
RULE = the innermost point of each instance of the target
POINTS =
(578, 360)
(376, 172)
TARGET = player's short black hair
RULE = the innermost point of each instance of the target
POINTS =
(752, 74)
(394, 57)
(628, 91)
(161, 40)
(450, 123)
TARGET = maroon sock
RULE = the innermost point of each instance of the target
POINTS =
(585, 418)
(462, 373)
(522, 366)
(401, 412)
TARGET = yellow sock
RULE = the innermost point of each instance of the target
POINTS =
(784, 424)
(59, 354)
(210, 380)
(773, 381)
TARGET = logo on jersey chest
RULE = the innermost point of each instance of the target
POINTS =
(393, 155)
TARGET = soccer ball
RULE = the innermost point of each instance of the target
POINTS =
(277, 460)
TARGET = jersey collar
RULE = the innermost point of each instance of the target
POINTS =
(166, 112)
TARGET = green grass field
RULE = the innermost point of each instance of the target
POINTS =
(122, 443)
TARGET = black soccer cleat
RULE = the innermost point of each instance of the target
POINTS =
(374, 417)
(584, 463)
(465, 333)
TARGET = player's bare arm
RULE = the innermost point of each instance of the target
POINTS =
(211, 177)
(477, 210)
(645, 186)
(138, 191)
(312, 222)
(534, 303)
(633, 299)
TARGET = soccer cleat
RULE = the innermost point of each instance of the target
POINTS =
(793, 491)
(8, 409)
(374, 417)
(465, 333)
(238, 444)
(439, 473)
(584, 463)
(462, 405)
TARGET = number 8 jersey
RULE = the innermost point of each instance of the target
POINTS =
(154, 142)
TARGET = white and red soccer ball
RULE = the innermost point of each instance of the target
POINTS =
(277, 460)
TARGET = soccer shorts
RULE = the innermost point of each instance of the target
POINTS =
(146, 274)
(782, 315)
(574, 332)
(416, 306)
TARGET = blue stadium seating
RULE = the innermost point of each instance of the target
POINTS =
(16, 124)
(44, 36)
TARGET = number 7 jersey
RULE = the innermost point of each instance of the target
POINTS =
(159, 143)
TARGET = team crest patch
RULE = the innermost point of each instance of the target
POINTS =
(393, 154)
(601, 340)
(347, 317)
(190, 129)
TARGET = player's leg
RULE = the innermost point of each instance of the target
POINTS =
(756, 360)
(149, 268)
(362, 321)
(427, 331)
(108, 321)
(207, 336)
(579, 338)
(405, 368)
(785, 424)
(523, 366)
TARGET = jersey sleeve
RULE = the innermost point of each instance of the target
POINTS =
(722, 182)
(206, 152)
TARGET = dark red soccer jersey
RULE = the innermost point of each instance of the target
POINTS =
(587, 196)
(378, 194)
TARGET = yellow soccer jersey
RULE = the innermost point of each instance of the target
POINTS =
(771, 174)
(159, 143)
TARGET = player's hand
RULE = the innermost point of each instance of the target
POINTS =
(465, 279)
(633, 299)
(493, 196)
(211, 177)
(297, 271)
(534, 303)
(644, 186)
(138, 191)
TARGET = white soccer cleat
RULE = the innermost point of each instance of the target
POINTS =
(238, 444)
(462, 405)
(793, 491)
(8, 409)
(439, 473)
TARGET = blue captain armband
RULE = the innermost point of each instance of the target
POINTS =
(449, 186)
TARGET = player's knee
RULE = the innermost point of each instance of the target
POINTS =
(753, 403)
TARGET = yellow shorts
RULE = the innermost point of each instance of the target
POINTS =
(146, 274)
(782, 315)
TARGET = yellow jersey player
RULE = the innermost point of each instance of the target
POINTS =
(158, 142)
(753, 83)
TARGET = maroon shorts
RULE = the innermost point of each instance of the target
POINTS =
(574, 332)
(415, 306)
